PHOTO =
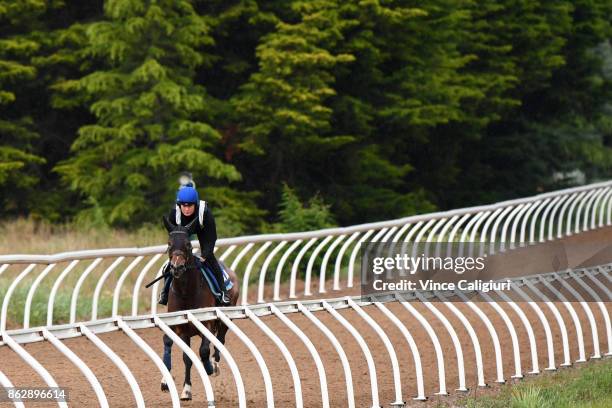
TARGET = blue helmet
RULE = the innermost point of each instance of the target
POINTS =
(187, 195)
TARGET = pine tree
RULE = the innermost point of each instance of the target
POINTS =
(512, 49)
(58, 114)
(285, 99)
(312, 136)
(404, 83)
(18, 160)
(562, 93)
(152, 120)
(295, 216)
(283, 107)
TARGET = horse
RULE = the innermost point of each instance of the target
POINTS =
(190, 291)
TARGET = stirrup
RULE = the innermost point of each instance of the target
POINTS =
(225, 298)
(163, 299)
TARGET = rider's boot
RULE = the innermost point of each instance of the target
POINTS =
(224, 298)
(163, 296)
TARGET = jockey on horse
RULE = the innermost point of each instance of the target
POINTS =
(188, 207)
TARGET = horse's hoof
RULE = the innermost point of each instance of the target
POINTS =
(208, 367)
(164, 387)
(216, 369)
(186, 394)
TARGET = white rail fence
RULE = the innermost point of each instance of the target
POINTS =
(111, 280)
(595, 281)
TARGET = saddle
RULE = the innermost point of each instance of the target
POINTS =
(211, 281)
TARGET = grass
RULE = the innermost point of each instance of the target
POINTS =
(589, 385)
(61, 309)
(26, 236)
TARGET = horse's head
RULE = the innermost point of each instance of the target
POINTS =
(179, 247)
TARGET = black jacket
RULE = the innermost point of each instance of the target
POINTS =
(207, 234)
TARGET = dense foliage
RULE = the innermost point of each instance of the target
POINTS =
(370, 109)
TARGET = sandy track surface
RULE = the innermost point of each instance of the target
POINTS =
(148, 377)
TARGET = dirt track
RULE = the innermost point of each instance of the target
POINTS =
(118, 392)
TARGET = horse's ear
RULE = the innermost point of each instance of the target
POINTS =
(191, 226)
(167, 224)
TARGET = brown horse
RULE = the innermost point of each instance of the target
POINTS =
(189, 290)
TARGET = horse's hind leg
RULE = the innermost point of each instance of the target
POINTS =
(167, 360)
(205, 355)
(221, 332)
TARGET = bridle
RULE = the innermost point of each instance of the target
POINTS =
(178, 270)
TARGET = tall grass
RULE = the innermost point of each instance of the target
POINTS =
(529, 397)
(26, 236)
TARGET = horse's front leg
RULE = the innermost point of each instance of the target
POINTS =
(167, 360)
(205, 355)
(186, 394)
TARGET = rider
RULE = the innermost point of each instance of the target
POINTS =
(188, 207)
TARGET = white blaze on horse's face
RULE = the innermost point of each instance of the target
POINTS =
(177, 262)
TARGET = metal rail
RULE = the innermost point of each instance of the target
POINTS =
(595, 279)
(539, 218)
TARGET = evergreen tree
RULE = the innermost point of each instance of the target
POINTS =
(18, 159)
(58, 112)
(513, 48)
(236, 27)
(282, 107)
(293, 216)
(404, 82)
(379, 108)
(152, 121)
(559, 125)
(314, 137)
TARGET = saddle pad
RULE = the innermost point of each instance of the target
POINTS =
(209, 276)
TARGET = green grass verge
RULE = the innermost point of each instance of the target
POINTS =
(587, 386)
(61, 310)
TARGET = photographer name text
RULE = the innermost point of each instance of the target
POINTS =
(430, 285)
